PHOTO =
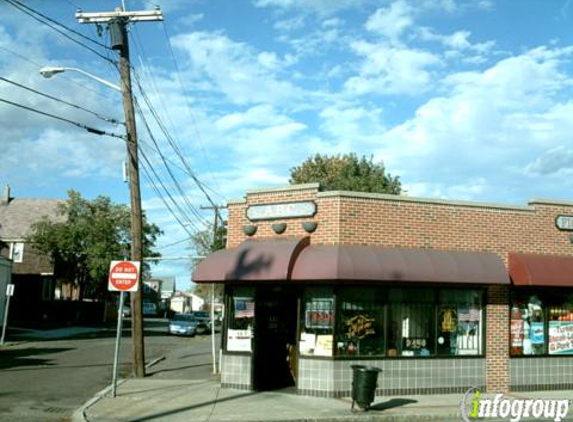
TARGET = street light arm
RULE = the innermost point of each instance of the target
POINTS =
(48, 72)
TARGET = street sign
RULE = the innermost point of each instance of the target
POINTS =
(9, 290)
(123, 276)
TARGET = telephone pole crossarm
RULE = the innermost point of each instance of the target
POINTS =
(105, 17)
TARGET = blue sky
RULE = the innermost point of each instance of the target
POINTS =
(463, 100)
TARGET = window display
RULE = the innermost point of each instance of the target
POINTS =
(316, 336)
(241, 321)
(459, 326)
(360, 323)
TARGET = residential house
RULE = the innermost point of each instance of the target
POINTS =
(32, 273)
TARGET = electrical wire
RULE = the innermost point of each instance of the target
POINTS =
(63, 119)
(171, 142)
(176, 183)
(24, 10)
(106, 119)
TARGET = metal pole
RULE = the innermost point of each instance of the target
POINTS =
(5, 323)
(117, 342)
(213, 304)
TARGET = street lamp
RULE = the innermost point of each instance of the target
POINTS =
(49, 71)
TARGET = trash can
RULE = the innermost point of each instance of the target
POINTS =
(364, 382)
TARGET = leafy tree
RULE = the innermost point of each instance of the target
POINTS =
(346, 172)
(204, 245)
(93, 234)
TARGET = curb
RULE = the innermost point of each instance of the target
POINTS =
(79, 414)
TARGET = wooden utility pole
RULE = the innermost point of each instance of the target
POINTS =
(117, 22)
(216, 208)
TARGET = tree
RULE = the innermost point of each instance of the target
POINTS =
(93, 234)
(204, 245)
(346, 172)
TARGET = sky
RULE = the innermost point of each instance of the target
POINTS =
(463, 100)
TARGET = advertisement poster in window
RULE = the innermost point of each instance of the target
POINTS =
(323, 345)
(560, 337)
(537, 335)
(239, 340)
(319, 318)
(516, 332)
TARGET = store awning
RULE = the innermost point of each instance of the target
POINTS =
(372, 263)
(268, 259)
(541, 270)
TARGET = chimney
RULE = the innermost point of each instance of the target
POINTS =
(6, 195)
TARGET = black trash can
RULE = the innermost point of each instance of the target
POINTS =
(364, 383)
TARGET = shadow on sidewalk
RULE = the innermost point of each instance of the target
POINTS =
(195, 406)
(390, 404)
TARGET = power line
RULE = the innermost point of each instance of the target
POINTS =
(171, 141)
(63, 119)
(30, 12)
(107, 119)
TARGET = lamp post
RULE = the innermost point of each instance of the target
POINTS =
(49, 71)
(134, 189)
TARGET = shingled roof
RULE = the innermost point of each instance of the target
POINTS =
(18, 215)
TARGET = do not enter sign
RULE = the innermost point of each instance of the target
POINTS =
(123, 276)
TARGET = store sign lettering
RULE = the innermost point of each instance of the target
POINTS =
(276, 211)
(564, 222)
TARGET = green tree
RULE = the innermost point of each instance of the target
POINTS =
(203, 245)
(346, 172)
(91, 235)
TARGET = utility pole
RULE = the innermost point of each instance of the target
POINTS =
(117, 22)
(216, 208)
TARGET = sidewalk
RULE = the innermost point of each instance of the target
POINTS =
(153, 400)
(150, 400)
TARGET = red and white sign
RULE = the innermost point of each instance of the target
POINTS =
(123, 276)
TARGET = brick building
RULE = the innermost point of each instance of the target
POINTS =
(441, 295)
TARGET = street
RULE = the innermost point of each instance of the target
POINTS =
(47, 380)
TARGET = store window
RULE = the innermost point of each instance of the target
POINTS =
(527, 325)
(560, 327)
(316, 334)
(411, 322)
(459, 326)
(361, 322)
(241, 320)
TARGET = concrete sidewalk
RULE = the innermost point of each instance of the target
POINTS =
(153, 400)
(147, 400)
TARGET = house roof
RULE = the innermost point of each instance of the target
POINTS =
(17, 217)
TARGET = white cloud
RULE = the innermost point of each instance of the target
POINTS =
(552, 161)
(491, 126)
(261, 115)
(234, 69)
(390, 70)
(316, 6)
(391, 22)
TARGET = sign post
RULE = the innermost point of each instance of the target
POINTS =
(123, 277)
(9, 293)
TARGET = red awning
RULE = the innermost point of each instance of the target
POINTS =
(252, 260)
(541, 270)
(374, 263)
(294, 259)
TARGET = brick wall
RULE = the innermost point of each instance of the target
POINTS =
(395, 221)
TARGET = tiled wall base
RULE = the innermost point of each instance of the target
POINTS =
(542, 373)
(236, 372)
(333, 378)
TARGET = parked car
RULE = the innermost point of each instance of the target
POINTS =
(183, 324)
(149, 309)
(204, 319)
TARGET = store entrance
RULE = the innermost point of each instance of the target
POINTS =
(275, 338)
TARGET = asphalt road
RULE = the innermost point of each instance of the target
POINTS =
(47, 380)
